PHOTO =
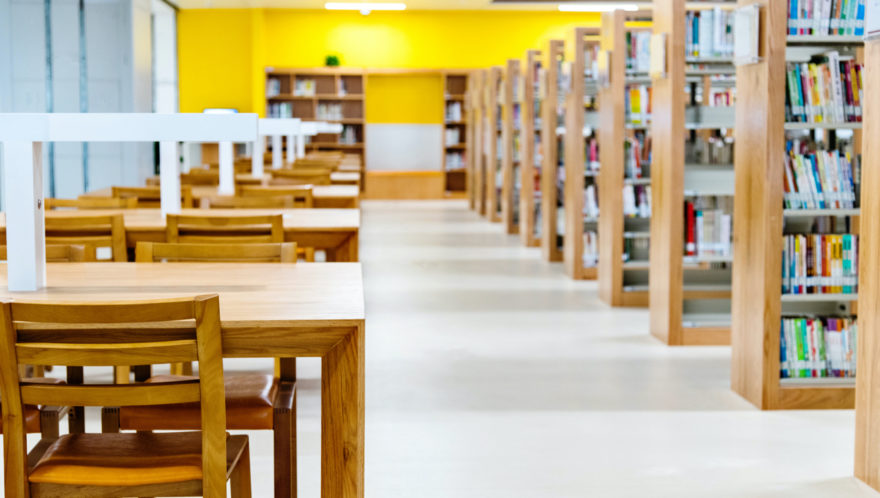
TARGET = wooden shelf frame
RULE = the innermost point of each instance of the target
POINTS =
(454, 93)
(511, 81)
(528, 169)
(477, 164)
(575, 159)
(758, 213)
(493, 163)
(550, 247)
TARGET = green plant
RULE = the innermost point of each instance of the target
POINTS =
(331, 61)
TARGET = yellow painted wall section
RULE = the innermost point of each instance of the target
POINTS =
(223, 52)
(410, 99)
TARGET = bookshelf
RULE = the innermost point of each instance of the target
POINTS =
(867, 463)
(530, 166)
(580, 251)
(335, 95)
(690, 238)
(761, 221)
(457, 130)
(552, 110)
(473, 159)
(492, 121)
(511, 107)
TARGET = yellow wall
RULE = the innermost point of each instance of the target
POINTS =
(223, 53)
(407, 93)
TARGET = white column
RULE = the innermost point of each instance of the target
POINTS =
(277, 153)
(25, 222)
(248, 149)
(257, 158)
(291, 148)
(186, 148)
(227, 170)
(300, 144)
(169, 178)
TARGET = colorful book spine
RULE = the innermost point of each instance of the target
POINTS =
(817, 347)
(826, 17)
(819, 179)
(820, 264)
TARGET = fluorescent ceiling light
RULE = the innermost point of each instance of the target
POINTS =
(365, 6)
(596, 7)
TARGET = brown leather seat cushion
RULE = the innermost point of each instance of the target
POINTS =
(126, 459)
(250, 400)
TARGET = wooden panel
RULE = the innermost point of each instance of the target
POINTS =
(493, 201)
(404, 185)
(611, 157)
(549, 247)
(667, 178)
(704, 336)
(527, 146)
(757, 232)
(512, 73)
(816, 398)
(867, 402)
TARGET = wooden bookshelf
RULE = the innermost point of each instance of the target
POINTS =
(578, 120)
(760, 222)
(867, 458)
(474, 154)
(530, 167)
(455, 91)
(335, 95)
(550, 140)
(511, 106)
(491, 110)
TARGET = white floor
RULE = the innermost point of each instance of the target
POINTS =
(491, 374)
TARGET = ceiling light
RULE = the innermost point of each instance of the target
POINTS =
(365, 7)
(597, 7)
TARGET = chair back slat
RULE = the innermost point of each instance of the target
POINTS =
(96, 355)
(92, 231)
(166, 393)
(149, 252)
(230, 202)
(225, 229)
(62, 253)
(302, 194)
(160, 310)
(91, 203)
(151, 197)
(309, 175)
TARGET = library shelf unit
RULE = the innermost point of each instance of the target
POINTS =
(511, 107)
(689, 280)
(552, 112)
(456, 125)
(580, 172)
(758, 303)
(530, 161)
(480, 191)
(867, 455)
(335, 95)
(473, 157)
(492, 120)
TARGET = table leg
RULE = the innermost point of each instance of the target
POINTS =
(346, 252)
(342, 418)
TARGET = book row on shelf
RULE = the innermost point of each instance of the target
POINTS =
(826, 17)
(712, 150)
(280, 110)
(820, 179)
(638, 51)
(638, 104)
(827, 90)
(455, 160)
(722, 97)
(708, 226)
(304, 88)
(591, 202)
(818, 347)
(637, 201)
(820, 264)
(591, 248)
(637, 156)
(330, 111)
(452, 136)
(636, 247)
(273, 87)
(709, 33)
(349, 135)
(454, 111)
(591, 155)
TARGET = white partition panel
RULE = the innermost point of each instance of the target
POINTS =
(404, 147)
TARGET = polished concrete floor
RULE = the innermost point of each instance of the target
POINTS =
(491, 374)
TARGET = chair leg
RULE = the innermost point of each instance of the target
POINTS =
(240, 480)
(109, 420)
(285, 452)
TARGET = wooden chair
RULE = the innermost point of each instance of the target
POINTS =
(248, 229)
(303, 195)
(149, 197)
(77, 335)
(44, 420)
(200, 177)
(84, 202)
(234, 202)
(149, 252)
(90, 231)
(63, 253)
(313, 176)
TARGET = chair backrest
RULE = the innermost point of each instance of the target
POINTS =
(92, 231)
(303, 195)
(209, 229)
(234, 202)
(60, 253)
(150, 197)
(91, 203)
(113, 334)
(150, 252)
(200, 177)
(310, 175)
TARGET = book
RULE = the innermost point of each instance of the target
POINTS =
(820, 264)
(709, 33)
(638, 104)
(708, 226)
(637, 201)
(638, 51)
(817, 347)
(825, 90)
(637, 155)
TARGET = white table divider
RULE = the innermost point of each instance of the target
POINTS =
(22, 136)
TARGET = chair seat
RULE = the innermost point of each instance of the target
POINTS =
(127, 459)
(250, 401)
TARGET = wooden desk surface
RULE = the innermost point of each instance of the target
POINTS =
(347, 192)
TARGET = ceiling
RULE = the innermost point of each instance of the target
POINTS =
(410, 4)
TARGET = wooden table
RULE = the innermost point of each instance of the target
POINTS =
(334, 231)
(267, 310)
(345, 178)
(326, 196)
